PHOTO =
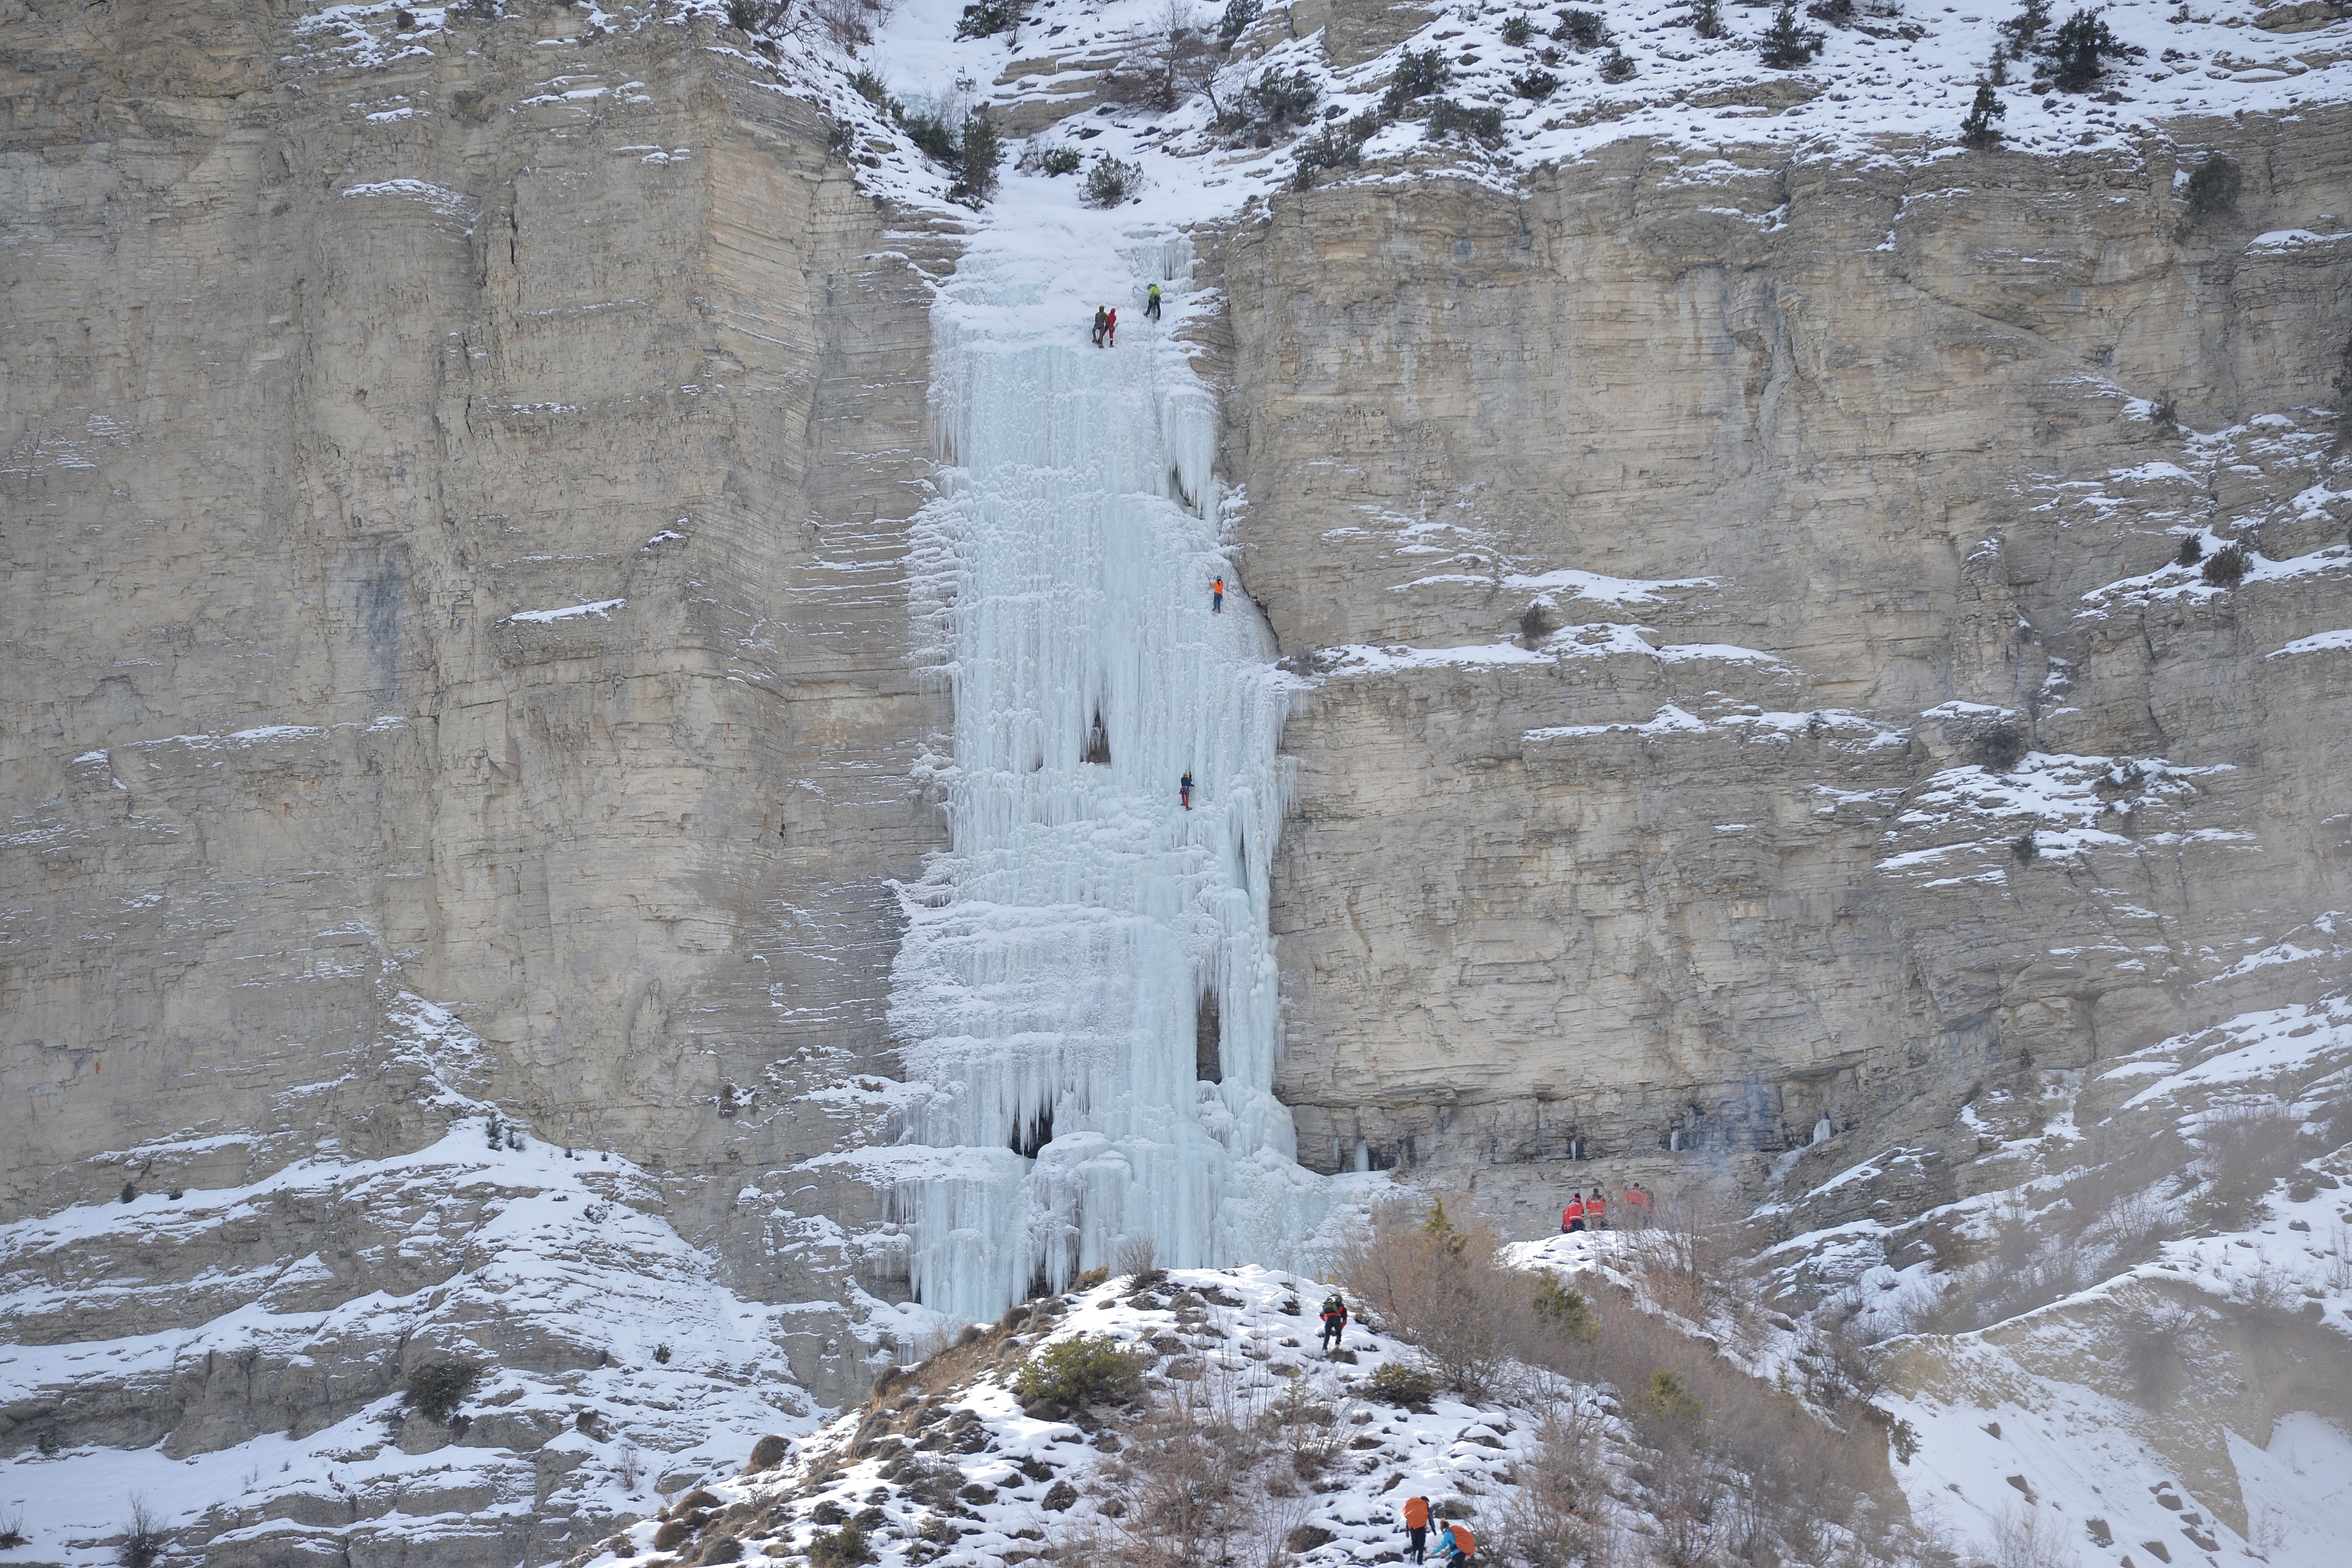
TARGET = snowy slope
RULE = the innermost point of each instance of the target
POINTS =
(2163, 1285)
(1010, 1477)
(612, 1364)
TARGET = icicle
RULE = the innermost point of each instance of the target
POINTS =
(1049, 992)
(1821, 1131)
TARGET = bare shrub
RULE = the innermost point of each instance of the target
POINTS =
(847, 25)
(143, 1535)
(1556, 1518)
(2022, 1539)
(2242, 1152)
(1202, 1474)
(1179, 58)
(1688, 1259)
(12, 1529)
(1440, 1286)
(1138, 1255)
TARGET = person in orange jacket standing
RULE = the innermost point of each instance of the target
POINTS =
(1416, 1526)
(1596, 1211)
(1571, 1218)
(1637, 1206)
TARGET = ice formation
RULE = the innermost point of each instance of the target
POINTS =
(1067, 964)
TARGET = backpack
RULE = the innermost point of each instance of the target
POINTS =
(1464, 1541)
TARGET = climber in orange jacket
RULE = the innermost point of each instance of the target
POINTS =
(1416, 1526)
(1596, 1211)
(1571, 1218)
(1217, 598)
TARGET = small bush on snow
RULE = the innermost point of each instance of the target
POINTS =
(436, 1387)
(1111, 182)
(841, 1548)
(1092, 1369)
(2226, 568)
(1407, 1386)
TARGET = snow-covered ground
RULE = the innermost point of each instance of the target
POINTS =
(612, 1364)
(1251, 1331)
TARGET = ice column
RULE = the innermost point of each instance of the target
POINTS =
(1061, 960)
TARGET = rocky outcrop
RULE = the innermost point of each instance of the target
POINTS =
(1821, 478)
(457, 478)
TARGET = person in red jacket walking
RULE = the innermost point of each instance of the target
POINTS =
(1571, 1218)
(1110, 329)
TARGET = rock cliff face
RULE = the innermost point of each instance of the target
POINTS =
(454, 481)
(460, 702)
(1829, 476)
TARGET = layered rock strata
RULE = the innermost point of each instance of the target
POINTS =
(1667, 544)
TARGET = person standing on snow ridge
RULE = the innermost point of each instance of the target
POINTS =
(1217, 598)
(1416, 1526)
(1184, 791)
(1571, 1218)
(1335, 1321)
(1151, 302)
(1596, 1211)
(1101, 314)
(1637, 1205)
(1110, 329)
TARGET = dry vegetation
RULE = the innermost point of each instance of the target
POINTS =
(1727, 1469)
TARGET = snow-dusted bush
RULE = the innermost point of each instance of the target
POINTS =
(1788, 43)
(143, 1540)
(990, 17)
(1060, 161)
(844, 1547)
(1238, 16)
(1516, 31)
(2000, 748)
(1408, 1387)
(2213, 188)
(1092, 1369)
(2226, 567)
(1618, 67)
(1111, 182)
(1419, 73)
(1277, 101)
(2079, 51)
(1485, 125)
(1584, 29)
(435, 1388)
(1977, 127)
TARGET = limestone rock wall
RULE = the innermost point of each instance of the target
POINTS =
(1713, 861)
(454, 481)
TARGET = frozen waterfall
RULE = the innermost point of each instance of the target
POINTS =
(1054, 992)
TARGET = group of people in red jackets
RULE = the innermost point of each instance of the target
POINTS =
(1590, 1211)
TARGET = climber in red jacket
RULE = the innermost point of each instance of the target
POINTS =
(1571, 1218)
